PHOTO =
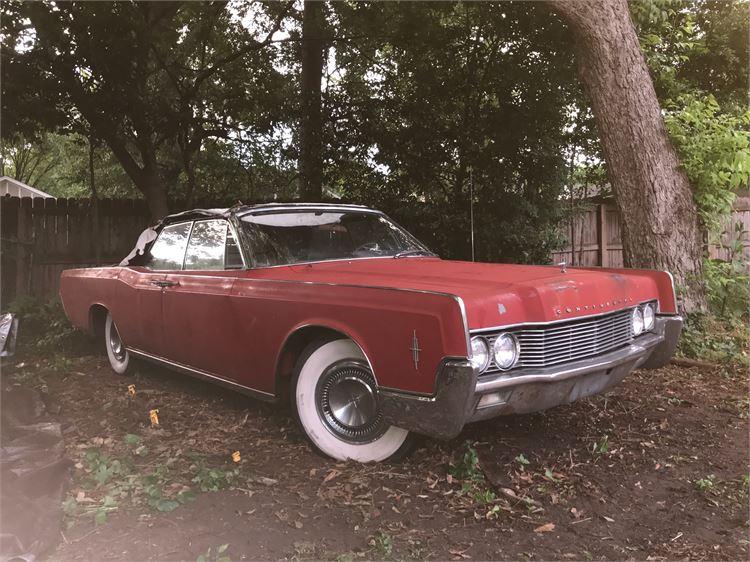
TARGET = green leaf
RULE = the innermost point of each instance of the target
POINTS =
(521, 459)
(131, 439)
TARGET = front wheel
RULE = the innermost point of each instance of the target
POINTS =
(336, 401)
(119, 358)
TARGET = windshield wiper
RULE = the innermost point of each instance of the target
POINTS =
(412, 253)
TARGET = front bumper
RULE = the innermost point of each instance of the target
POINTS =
(460, 397)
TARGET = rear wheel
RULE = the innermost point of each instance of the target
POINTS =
(119, 358)
(336, 401)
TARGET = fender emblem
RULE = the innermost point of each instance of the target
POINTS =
(415, 350)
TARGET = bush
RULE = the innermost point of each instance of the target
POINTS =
(43, 327)
(719, 340)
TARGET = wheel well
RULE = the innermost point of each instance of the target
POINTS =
(97, 318)
(290, 353)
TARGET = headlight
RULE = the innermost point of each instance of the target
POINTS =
(648, 317)
(637, 319)
(505, 351)
(480, 354)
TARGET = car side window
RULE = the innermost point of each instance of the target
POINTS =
(232, 256)
(168, 252)
(207, 244)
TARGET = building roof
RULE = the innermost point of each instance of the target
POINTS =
(15, 188)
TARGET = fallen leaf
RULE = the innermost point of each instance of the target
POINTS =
(608, 519)
(333, 473)
(546, 528)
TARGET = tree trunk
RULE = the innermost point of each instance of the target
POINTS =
(95, 201)
(660, 224)
(156, 195)
(311, 154)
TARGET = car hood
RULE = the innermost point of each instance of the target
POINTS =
(493, 294)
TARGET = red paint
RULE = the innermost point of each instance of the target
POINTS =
(233, 324)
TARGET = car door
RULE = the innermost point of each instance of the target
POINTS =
(199, 322)
(144, 290)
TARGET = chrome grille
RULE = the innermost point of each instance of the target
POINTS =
(569, 341)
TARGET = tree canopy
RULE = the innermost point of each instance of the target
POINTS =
(422, 106)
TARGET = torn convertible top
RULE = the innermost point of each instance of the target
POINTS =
(150, 234)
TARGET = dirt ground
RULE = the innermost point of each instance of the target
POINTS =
(655, 470)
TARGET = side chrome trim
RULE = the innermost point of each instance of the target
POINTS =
(261, 395)
(465, 319)
(674, 291)
(335, 260)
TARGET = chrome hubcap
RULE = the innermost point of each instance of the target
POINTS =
(348, 402)
(115, 343)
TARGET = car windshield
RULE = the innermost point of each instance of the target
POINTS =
(288, 237)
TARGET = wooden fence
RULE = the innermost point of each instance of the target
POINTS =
(594, 236)
(42, 237)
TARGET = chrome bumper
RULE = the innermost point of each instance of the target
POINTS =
(458, 396)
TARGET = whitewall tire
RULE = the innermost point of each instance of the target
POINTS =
(336, 402)
(119, 358)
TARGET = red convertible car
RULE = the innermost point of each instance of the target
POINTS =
(370, 336)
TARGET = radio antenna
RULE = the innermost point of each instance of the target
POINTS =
(471, 209)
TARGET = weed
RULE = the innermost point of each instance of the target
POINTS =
(153, 487)
(212, 479)
(468, 467)
(383, 543)
(548, 474)
(100, 468)
(601, 447)
(724, 341)
(210, 556)
(705, 484)
(44, 328)
(484, 497)
(522, 460)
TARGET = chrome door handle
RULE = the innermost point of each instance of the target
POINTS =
(163, 284)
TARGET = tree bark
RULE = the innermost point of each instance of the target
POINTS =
(95, 201)
(660, 223)
(311, 153)
(150, 183)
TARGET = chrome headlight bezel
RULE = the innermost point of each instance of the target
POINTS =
(479, 363)
(636, 322)
(506, 342)
(649, 317)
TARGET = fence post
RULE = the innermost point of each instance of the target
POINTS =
(23, 257)
(601, 235)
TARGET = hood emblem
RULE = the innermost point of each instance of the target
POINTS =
(415, 350)
(563, 266)
(501, 308)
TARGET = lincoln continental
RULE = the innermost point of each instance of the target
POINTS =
(371, 338)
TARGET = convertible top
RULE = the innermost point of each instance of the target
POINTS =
(150, 234)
